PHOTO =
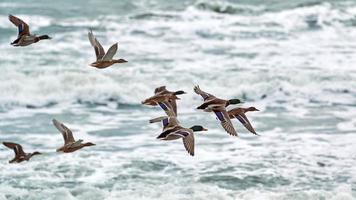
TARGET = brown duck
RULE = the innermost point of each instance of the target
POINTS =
(24, 38)
(173, 131)
(218, 106)
(103, 60)
(165, 99)
(20, 155)
(70, 144)
(239, 113)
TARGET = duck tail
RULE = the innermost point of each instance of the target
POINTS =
(158, 119)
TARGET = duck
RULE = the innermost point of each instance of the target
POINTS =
(210, 101)
(24, 37)
(165, 99)
(239, 113)
(103, 60)
(20, 155)
(218, 106)
(70, 144)
(172, 131)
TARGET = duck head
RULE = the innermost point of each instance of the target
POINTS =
(179, 92)
(252, 109)
(44, 37)
(36, 153)
(235, 101)
(88, 144)
(197, 128)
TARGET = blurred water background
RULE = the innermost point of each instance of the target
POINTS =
(294, 60)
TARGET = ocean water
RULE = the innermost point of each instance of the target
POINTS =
(294, 60)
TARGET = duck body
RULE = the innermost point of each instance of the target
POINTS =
(20, 155)
(24, 37)
(71, 147)
(155, 99)
(101, 64)
(211, 102)
(23, 158)
(27, 40)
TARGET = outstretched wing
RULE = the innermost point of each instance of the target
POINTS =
(168, 109)
(16, 147)
(110, 53)
(188, 142)
(99, 50)
(173, 104)
(167, 122)
(206, 96)
(66, 132)
(225, 121)
(21, 25)
(244, 121)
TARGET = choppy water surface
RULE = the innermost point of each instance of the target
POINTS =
(294, 60)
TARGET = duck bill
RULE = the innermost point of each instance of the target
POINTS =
(205, 129)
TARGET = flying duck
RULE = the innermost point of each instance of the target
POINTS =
(165, 99)
(239, 113)
(103, 60)
(218, 106)
(24, 38)
(20, 155)
(70, 144)
(173, 131)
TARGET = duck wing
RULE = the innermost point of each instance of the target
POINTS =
(99, 50)
(188, 142)
(167, 122)
(110, 53)
(225, 121)
(206, 96)
(16, 147)
(66, 132)
(160, 89)
(244, 121)
(173, 104)
(21, 25)
(168, 108)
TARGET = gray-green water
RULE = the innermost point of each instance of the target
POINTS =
(294, 60)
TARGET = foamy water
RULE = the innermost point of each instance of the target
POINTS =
(292, 60)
